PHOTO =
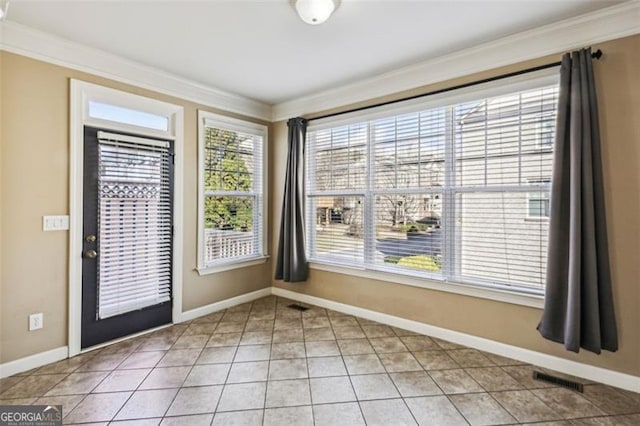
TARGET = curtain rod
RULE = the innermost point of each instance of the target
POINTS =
(595, 55)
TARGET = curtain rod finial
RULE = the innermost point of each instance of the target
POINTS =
(597, 54)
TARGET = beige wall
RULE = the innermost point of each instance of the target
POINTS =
(618, 84)
(34, 181)
(34, 174)
(1, 210)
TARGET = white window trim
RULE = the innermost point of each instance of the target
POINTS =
(504, 86)
(495, 88)
(530, 218)
(542, 186)
(540, 144)
(210, 119)
(115, 97)
(81, 93)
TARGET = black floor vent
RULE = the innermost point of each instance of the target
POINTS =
(297, 307)
(558, 381)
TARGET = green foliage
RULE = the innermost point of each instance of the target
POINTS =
(413, 227)
(392, 259)
(226, 170)
(420, 262)
(229, 213)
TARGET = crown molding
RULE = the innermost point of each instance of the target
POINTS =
(606, 24)
(595, 27)
(26, 41)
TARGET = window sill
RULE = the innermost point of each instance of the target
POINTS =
(499, 295)
(228, 266)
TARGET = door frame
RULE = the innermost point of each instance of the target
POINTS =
(81, 93)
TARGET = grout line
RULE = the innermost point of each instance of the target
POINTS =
(145, 377)
(357, 401)
(457, 409)
(355, 395)
(506, 410)
(185, 377)
(391, 379)
(334, 342)
(266, 385)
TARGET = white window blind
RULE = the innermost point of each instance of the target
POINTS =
(446, 193)
(135, 224)
(232, 193)
(337, 181)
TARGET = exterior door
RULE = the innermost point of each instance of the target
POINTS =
(127, 235)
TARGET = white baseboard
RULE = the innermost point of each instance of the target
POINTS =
(43, 358)
(597, 374)
(223, 304)
(33, 361)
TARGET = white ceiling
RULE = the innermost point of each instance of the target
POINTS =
(263, 51)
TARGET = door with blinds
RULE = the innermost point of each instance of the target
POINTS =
(127, 235)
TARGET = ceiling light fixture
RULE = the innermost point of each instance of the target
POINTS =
(315, 12)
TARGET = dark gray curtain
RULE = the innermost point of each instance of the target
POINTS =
(578, 309)
(292, 261)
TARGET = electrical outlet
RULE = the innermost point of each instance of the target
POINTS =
(36, 321)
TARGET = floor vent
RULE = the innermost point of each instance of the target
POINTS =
(297, 307)
(558, 381)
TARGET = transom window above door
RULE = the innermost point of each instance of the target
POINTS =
(119, 114)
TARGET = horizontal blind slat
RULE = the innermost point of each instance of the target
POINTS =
(135, 219)
(496, 177)
(233, 200)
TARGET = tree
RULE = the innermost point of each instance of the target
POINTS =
(400, 209)
(226, 170)
(396, 208)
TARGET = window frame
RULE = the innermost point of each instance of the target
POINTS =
(544, 186)
(80, 94)
(486, 90)
(209, 119)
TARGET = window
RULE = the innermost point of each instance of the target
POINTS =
(231, 191)
(538, 205)
(133, 117)
(547, 129)
(440, 192)
(538, 202)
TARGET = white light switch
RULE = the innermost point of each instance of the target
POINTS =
(55, 223)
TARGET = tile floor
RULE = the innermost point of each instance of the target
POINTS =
(263, 363)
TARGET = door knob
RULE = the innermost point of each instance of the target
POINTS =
(90, 254)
